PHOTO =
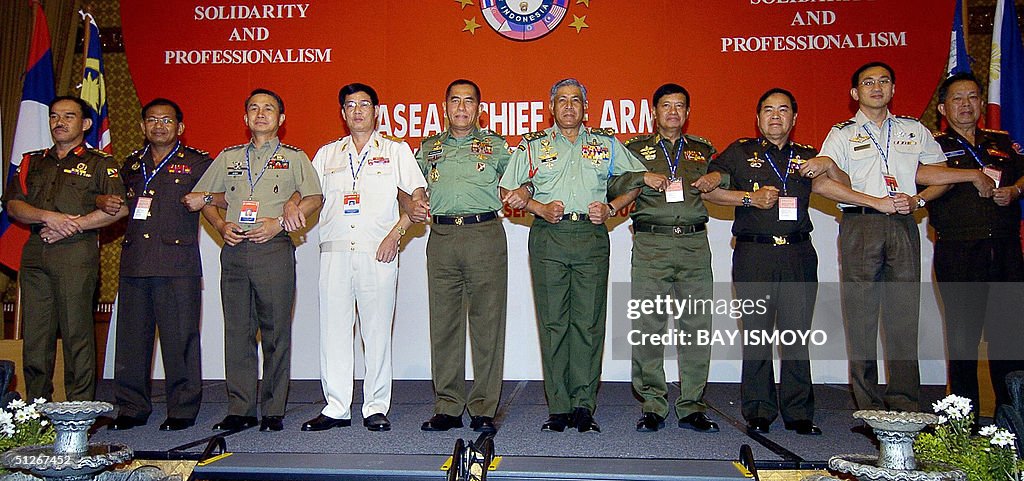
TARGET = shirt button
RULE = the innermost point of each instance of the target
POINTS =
(145, 236)
(353, 242)
(177, 241)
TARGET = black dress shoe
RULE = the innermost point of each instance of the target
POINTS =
(272, 423)
(177, 424)
(585, 421)
(482, 424)
(759, 425)
(556, 423)
(650, 423)
(699, 422)
(126, 422)
(804, 427)
(234, 422)
(323, 423)
(377, 422)
(442, 422)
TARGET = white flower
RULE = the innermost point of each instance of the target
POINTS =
(39, 400)
(1003, 438)
(44, 422)
(22, 415)
(988, 430)
(16, 404)
(953, 406)
(943, 419)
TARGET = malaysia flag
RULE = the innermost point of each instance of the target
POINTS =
(94, 90)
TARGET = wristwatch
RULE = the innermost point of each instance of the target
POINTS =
(611, 209)
(921, 202)
(401, 231)
(530, 188)
(207, 198)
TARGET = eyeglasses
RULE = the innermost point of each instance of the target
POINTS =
(352, 104)
(870, 82)
(161, 120)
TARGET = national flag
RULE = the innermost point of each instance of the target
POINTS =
(959, 61)
(93, 86)
(32, 131)
(1006, 74)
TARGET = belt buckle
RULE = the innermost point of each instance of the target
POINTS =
(780, 240)
(677, 230)
(458, 220)
(575, 216)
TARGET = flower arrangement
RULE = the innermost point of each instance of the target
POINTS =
(22, 425)
(989, 456)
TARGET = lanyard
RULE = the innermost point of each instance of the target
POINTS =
(673, 164)
(248, 169)
(885, 153)
(771, 162)
(974, 154)
(355, 171)
(149, 178)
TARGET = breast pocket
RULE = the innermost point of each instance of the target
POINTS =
(76, 196)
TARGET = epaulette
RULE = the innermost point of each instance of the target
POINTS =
(745, 140)
(609, 132)
(638, 138)
(35, 152)
(844, 124)
(994, 131)
(803, 146)
(291, 147)
(530, 137)
(200, 152)
(329, 142)
(98, 152)
(489, 133)
(700, 140)
(907, 117)
(234, 147)
(393, 138)
(938, 135)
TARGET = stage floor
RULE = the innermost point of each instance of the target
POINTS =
(520, 415)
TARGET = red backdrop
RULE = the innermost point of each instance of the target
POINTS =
(622, 51)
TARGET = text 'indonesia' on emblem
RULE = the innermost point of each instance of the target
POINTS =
(523, 20)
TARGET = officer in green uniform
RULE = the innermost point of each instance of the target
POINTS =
(54, 193)
(671, 256)
(258, 259)
(467, 262)
(570, 167)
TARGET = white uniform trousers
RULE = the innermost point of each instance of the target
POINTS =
(351, 280)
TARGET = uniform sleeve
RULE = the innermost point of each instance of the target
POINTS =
(835, 147)
(624, 160)
(306, 181)
(931, 151)
(213, 179)
(726, 163)
(320, 161)
(13, 190)
(200, 167)
(517, 172)
(110, 182)
(409, 176)
(501, 155)
(421, 157)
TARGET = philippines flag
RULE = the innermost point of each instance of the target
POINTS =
(94, 91)
(32, 131)
(959, 61)
(1006, 74)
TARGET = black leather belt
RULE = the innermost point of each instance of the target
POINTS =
(668, 229)
(778, 240)
(464, 219)
(576, 217)
(860, 210)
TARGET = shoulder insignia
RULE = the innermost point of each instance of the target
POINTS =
(392, 138)
(530, 137)
(994, 131)
(697, 139)
(907, 117)
(638, 138)
(193, 149)
(605, 132)
(234, 147)
(748, 139)
(844, 124)
(291, 147)
(99, 152)
(35, 152)
(938, 135)
(803, 146)
(137, 154)
(329, 142)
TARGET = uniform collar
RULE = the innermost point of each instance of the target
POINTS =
(271, 144)
(372, 143)
(477, 133)
(979, 135)
(658, 138)
(78, 151)
(767, 145)
(862, 120)
(556, 132)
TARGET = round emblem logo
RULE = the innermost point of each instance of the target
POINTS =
(523, 20)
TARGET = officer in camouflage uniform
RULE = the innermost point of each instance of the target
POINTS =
(54, 193)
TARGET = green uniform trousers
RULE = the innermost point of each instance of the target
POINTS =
(467, 274)
(58, 282)
(257, 288)
(678, 266)
(569, 264)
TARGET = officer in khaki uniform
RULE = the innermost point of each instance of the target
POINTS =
(161, 273)
(671, 256)
(467, 262)
(54, 193)
(258, 259)
(570, 166)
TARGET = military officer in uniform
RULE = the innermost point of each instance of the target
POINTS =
(360, 229)
(569, 166)
(774, 261)
(161, 273)
(258, 259)
(54, 192)
(467, 262)
(671, 256)
(884, 154)
(978, 260)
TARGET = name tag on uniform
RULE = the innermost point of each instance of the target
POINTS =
(250, 211)
(891, 186)
(675, 191)
(993, 173)
(350, 201)
(142, 208)
(787, 208)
